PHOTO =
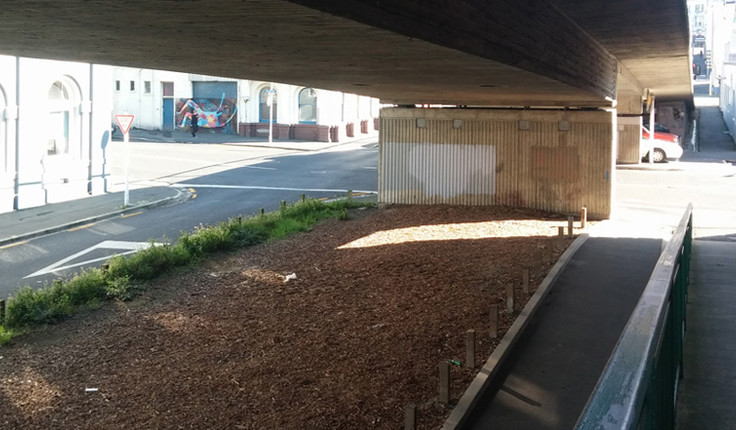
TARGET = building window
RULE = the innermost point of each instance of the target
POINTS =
(267, 103)
(147, 87)
(307, 106)
(168, 89)
(117, 85)
(62, 120)
(132, 85)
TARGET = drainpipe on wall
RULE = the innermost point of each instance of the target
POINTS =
(16, 179)
(89, 154)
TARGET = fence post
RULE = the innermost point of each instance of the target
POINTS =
(410, 417)
(445, 382)
(494, 321)
(470, 349)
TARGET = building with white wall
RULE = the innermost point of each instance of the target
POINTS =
(54, 128)
(158, 99)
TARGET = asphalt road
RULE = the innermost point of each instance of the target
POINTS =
(222, 182)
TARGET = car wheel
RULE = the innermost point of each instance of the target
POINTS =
(659, 155)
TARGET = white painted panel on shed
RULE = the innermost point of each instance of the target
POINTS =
(439, 173)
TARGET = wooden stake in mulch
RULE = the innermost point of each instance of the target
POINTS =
(263, 212)
(445, 382)
(560, 231)
(583, 216)
(551, 249)
(525, 274)
(283, 204)
(303, 198)
(510, 298)
(470, 348)
(2, 312)
(570, 222)
(350, 194)
(410, 417)
(494, 321)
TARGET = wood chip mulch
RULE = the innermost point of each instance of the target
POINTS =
(374, 305)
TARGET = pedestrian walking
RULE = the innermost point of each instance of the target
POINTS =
(195, 123)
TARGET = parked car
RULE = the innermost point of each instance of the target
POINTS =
(657, 127)
(665, 146)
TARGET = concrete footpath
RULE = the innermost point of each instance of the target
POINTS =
(707, 392)
(25, 224)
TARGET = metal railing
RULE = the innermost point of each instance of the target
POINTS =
(638, 388)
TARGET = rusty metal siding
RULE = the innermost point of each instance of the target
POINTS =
(555, 161)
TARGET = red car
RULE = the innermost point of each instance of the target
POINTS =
(658, 135)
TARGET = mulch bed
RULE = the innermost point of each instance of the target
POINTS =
(377, 303)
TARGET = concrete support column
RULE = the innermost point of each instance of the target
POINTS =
(558, 161)
(629, 111)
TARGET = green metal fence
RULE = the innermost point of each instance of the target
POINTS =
(638, 388)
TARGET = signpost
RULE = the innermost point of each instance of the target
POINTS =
(124, 122)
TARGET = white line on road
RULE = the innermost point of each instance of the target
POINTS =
(130, 247)
(253, 187)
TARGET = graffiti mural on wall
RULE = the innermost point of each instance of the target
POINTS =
(213, 113)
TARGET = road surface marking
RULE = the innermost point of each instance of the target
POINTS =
(249, 187)
(194, 193)
(259, 168)
(82, 227)
(129, 247)
(14, 244)
(130, 215)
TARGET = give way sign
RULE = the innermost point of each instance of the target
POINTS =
(124, 122)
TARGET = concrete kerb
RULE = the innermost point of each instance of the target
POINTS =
(491, 368)
(27, 236)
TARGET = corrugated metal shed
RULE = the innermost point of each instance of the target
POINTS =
(557, 161)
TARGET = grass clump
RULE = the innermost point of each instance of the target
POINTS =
(124, 277)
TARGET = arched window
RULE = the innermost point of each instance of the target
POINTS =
(63, 121)
(266, 98)
(307, 106)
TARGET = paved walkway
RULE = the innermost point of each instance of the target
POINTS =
(707, 393)
(559, 358)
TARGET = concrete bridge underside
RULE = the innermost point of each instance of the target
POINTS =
(517, 55)
(468, 52)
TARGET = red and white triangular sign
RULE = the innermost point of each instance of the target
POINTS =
(124, 122)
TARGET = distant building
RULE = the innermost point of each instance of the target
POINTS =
(163, 100)
(54, 127)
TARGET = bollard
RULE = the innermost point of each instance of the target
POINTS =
(494, 321)
(410, 417)
(445, 382)
(525, 281)
(470, 348)
(583, 216)
(510, 298)
(570, 222)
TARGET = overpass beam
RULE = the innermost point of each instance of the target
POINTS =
(534, 36)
